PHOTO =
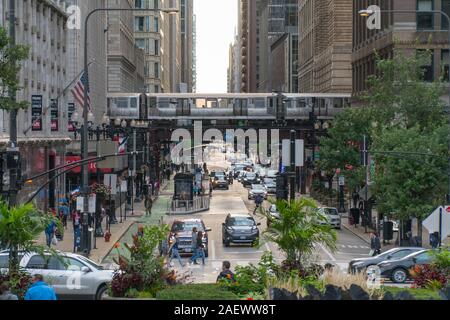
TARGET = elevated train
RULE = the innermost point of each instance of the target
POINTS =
(229, 106)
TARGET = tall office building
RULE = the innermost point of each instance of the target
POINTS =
(325, 45)
(411, 32)
(186, 44)
(42, 127)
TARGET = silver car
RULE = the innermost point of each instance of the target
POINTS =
(71, 275)
(332, 215)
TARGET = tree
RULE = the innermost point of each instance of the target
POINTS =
(10, 57)
(19, 228)
(409, 185)
(299, 230)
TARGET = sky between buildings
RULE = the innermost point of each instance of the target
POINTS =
(216, 24)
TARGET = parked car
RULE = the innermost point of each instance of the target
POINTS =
(361, 264)
(71, 275)
(250, 179)
(221, 182)
(184, 230)
(240, 228)
(398, 270)
(333, 216)
(272, 214)
(271, 186)
(255, 190)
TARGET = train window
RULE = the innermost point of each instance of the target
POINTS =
(200, 103)
(133, 103)
(223, 103)
(301, 103)
(259, 103)
(338, 103)
(163, 103)
(121, 103)
(211, 103)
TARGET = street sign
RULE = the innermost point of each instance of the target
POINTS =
(299, 153)
(341, 181)
(91, 203)
(432, 222)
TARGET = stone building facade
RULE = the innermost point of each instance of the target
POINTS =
(325, 46)
(42, 127)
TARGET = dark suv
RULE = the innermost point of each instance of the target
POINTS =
(184, 230)
(250, 178)
(240, 228)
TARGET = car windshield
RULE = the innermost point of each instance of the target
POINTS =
(242, 221)
(269, 181)
(180, 226)
(250, 176)
(331, 211)
(257, 187)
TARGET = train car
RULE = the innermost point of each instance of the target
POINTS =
(128, 106)
(325, 105)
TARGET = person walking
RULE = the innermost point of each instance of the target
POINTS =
(39, 290)
(226, 272)
(148, 205)
(375, 244)
(199, 249)
(5, 292)
(194, 245)
(64, 213)
(50, 233)
(175, 253)
(259, 199)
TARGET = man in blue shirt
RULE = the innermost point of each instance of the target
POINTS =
(39, 290)
(64, 212)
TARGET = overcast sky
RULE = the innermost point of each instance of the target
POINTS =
(216, 23)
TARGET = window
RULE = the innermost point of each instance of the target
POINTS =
(156, 89)
(140, 43)
(156, 24)
(133, 103)
(423, 258)
(4, 261)
(445, 7)
(155, 4)
(424, 19)
(147, 24)
(428, 67)
(139, 4)
(156, 48)
(444, 64)
(36, 262)
(73, 264)
(156, 70)
(400, 254)
(55, 264)
(139, 24)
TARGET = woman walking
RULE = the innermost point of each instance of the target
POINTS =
(175, 253)
(199, 250)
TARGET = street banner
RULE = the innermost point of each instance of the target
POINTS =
(299, 153)
(36, 112)
(432, 222)
(54, 115)
(70, 111)
(91, 203)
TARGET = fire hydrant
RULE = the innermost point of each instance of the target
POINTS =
(107, 236)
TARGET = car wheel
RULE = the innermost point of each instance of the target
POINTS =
(399, 275)
(101, 292)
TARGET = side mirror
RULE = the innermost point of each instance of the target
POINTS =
(85, 269)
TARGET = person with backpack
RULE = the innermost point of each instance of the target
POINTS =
(226, 273)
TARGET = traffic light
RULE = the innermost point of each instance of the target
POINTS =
(282, 187)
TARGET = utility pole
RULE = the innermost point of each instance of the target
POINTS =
(292, 169)
(13, 149)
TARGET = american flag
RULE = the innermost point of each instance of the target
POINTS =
(78, 90)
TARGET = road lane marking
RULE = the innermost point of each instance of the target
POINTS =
(327, 253)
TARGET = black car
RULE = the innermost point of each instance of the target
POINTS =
(398, 270)
(361, 264)
(250, 178)
(240, 228)
(184, 230)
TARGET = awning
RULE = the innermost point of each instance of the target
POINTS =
(92, 165)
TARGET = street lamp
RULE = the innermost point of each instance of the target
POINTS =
(369, 12)
(85, 190)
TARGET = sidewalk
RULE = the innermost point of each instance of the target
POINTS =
(103, 248)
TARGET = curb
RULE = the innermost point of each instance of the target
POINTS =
(356, 234)
(121, 236)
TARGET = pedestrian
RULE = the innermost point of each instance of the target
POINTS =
(375, 244)
(5, 292)
(434, 240)
(168, 174)
(199, 249)
(64, 213)
(226, 272)
(211, 189)
(39, 290)
(148, 205)
(50, 233)
(259, 199)
(175, 253)
(194, 242)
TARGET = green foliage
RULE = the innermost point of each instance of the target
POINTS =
(410, 185)
(251, 278)
(11, 56)
(20, 227)
(299, 230)
(441, 258)
(144, 270)
(196, 292)
(419, 294)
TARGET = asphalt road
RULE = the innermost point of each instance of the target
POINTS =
(235, 201)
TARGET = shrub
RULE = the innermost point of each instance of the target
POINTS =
(419, 294)
(429, 276)
(18, 282)
(196, 292)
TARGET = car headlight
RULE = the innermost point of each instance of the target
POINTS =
(254, 229)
